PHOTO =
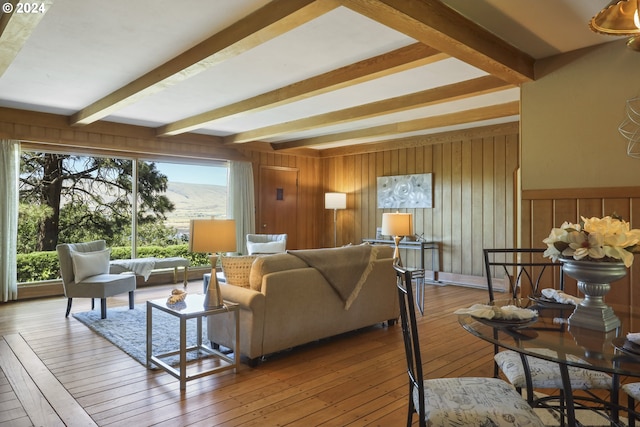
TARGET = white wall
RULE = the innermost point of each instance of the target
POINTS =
(570, 117)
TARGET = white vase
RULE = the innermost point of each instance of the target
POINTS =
(594, 279)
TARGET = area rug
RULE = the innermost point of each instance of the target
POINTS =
(127, 330)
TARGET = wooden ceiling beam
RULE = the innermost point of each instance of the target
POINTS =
(467, 116)
(272, 20)
(16, 28)
(448, 93)
(402, 59)
(437, 25)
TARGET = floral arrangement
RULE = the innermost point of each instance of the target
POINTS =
(594, 239)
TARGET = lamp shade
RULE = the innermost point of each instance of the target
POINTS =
(619, 18)
(335, 200)
(397, 224)
(212, 235)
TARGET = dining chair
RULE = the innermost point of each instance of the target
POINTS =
(468, 401)
(525, 272)
(633, 394)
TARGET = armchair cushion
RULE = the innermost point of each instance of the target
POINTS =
(266, 243)
(236, 269)
(87, 264)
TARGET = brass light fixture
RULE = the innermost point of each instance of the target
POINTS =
(619, 18)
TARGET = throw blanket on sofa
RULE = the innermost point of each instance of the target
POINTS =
(346, 269)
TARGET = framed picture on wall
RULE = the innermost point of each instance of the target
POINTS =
(405, 191)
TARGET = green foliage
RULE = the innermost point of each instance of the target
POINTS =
(29, 218)
(81, 198)
(37, 266)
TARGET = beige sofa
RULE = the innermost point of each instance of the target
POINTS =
(286, 302)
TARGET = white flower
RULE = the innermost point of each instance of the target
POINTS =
(583, 245)
(605, 239)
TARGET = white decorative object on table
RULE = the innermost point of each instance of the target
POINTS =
(595, 253)
(561, 297)
(507, 312)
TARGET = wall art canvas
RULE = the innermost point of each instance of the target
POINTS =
(405, 191)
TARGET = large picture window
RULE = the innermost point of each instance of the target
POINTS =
(67, 198)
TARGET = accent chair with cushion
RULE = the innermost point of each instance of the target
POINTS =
(85, 274)
(266, 243)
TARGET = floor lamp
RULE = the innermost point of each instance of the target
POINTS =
(335, 201)
(212, 236)
(397, 225)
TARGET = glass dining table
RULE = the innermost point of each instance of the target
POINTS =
(607, 352)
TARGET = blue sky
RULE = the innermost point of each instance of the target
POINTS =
(194, 174)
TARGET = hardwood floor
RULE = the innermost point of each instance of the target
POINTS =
(67, 375)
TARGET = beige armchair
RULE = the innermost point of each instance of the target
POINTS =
(85, 274)
(266, 243)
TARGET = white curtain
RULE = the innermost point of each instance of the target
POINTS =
(242, 205)
(9, 173)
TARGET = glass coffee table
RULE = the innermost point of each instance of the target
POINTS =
(192, 308)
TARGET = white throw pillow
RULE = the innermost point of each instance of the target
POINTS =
(268, 247)
(87, 264)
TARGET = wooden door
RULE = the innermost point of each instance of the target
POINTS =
(279, 203)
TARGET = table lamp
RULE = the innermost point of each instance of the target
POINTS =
(335, 201)
(397, 225)
(212, 236)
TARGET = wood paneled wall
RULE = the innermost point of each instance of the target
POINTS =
(310, 195)
(473, 196)
(544, 209)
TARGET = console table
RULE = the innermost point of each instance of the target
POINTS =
(419, 274)
(423, 247)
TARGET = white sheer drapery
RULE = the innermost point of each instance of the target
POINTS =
(242, 205)
(9, 174)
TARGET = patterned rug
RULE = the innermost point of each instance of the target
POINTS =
(126, 329)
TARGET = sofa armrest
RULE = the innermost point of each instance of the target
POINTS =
(221, 327)
(247, 298)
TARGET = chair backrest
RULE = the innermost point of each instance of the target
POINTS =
(410, 336)
(524, 270)
(266, 243)
(64, 256)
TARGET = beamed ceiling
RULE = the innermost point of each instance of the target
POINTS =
(284, 73)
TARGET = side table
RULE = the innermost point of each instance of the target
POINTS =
(192, 307)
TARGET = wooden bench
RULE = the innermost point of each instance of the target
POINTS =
(144, 266)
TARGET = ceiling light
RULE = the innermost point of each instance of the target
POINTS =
(618, 18)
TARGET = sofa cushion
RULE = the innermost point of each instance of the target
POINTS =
(87, 264)
(266, 264)
(236, 269)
